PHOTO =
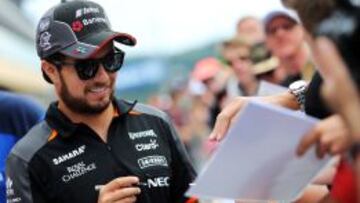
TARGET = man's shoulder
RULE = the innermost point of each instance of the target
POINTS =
(151, 110)
(32, 142)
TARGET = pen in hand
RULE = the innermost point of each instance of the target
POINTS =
(98, 187)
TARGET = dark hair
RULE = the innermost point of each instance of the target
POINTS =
(51, 59)
(55, 57)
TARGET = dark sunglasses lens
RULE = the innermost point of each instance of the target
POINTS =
(286, 27)
(86, 69)
(113, 62)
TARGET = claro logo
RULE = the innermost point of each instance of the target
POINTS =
(147, 146)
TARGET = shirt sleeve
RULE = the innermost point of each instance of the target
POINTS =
(22, 184)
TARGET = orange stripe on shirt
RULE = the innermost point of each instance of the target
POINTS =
(192, 200)
(135, 113)
(116, 112)
(53, 135)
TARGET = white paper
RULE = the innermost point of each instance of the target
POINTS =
(257, 160)
(267, 89)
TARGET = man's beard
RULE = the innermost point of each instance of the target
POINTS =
(80, 105)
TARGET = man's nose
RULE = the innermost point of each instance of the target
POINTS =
(101, 74)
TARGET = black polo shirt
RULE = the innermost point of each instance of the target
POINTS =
(60, 161)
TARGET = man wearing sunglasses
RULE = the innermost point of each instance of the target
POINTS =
(93, 147)
(285, 37)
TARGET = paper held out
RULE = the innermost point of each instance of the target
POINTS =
(257, 161)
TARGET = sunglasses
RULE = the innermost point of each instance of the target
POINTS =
(274, 29)
(240, 58)
(87, 69)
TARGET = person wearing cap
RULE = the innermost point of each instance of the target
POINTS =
(264, 64)
(93, 147)
(297, 98)
(210, 73)
(285, 37)
(236, 53)
(324, 135)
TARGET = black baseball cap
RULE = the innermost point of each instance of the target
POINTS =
(77, 29)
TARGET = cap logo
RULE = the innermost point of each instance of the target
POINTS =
(78, 13)
(77, 26)
(45, 41)
(90, 21)
(44, 24)
(83, 11)
(80, 50)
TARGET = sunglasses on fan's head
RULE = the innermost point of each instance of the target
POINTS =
(272, 30)
(87, 69)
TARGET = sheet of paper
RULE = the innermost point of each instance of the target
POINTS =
(267, 88)
(257, 160)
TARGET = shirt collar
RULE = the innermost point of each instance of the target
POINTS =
(65, 127)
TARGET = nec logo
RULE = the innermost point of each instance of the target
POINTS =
(76, 152)
(158, 182)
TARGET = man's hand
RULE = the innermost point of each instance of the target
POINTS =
(226, 117)
(228, 114)
(120, 190)
(330, 135)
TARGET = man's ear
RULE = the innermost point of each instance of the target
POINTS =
(50, 71)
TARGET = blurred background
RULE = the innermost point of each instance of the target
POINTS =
(172, 35)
